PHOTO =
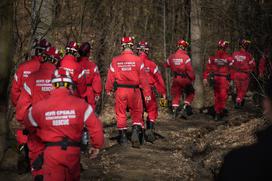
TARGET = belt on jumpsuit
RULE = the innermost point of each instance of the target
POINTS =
(128, 86)
(63, 144)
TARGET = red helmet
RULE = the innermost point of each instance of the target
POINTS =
(84, 49)
(62, 78)
(182, 44)
(244, 43)
(72, 45)
(41, 44)
(223, 44)
(127, 41)
(52, 55)
(143, 45)
(72, 48)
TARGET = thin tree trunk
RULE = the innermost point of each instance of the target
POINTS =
(164, 50)
(196, 51)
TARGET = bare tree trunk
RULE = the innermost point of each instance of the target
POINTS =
(196, 51)
(42, 18)
(167, 77)
(5, 57)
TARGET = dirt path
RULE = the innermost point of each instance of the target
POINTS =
(189, 150)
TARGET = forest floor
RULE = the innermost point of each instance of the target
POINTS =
(192, 149)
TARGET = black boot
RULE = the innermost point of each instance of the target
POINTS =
(123, 141)
(237, 105)
(243, 103)
(188, 109)
(23, 163)
(136, 136)
(149, 133)
(175, 112)
(38, 178)
(218, 117)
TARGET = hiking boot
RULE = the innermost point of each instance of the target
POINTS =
(38, 178)
(237, 105)
(23, 163)
(218, 117)
(183, 114)
(122, 140)
(136, 136)
(188, 109)
(175, 112)
(149, 133)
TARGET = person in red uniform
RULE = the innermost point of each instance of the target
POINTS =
(93, 79)
(126, 76)
(21, 74)
(155, 80)
(182, 83)
(26, 68)
(60, 120)
(242, 67)
(265, 66)
(70, 63)
(218, 72)
(37, 87)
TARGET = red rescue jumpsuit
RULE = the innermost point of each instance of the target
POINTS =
(69, 62)
(128, 70)
(219, 66)
(22, 73)
(155, 80)
(93, 80)
(63, 115)
(242, 66)
(180, 63)
(36, 88)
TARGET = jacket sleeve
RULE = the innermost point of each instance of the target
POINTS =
(159, 84)
(29, 121)
(16, 87)
(97, 84)
(189, 69)
(95, 128)
(144, 81)
(262, 66)
(24, 102)
(252, 63)
(208, 69)
(167, 63)
(80, 79)
(232, 67)
(110, 79)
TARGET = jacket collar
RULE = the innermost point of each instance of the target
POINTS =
(127, 52)
(47, 66)
(83, 59)
(37, 58)
(143, 55)
(60, 91)
(181, 51)
(220, 52)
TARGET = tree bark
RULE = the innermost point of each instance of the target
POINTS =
(42, 18)
(195, 23)
(6, 37)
